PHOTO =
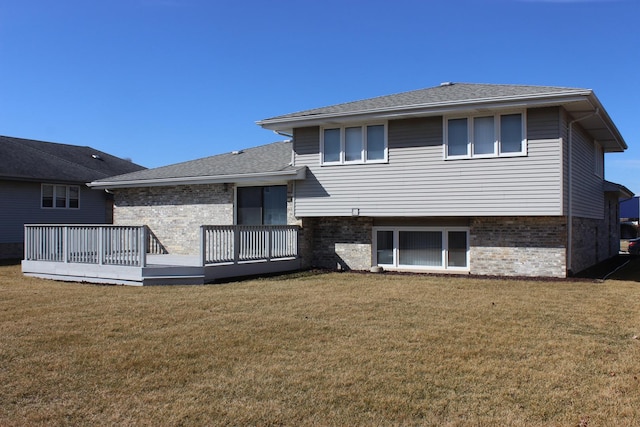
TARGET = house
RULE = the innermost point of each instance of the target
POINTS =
(473, 178)
(44, 182)
(458, 178)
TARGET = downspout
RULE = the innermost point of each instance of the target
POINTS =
(570, 183)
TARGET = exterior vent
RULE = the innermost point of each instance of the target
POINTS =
(446, 84)
(235, 153)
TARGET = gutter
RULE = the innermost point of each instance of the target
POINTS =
(294, 174)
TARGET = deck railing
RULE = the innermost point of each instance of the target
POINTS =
(245, 243)
(129, 245)
(90, 244)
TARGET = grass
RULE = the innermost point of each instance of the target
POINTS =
(321, 349)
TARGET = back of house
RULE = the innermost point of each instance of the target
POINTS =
(465, 178)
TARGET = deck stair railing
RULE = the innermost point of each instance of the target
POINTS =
(90, 244)
(245, 243)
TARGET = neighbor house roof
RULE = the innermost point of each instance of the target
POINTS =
(265, 163)
(450, 98)
(31, 160)
(612, 187)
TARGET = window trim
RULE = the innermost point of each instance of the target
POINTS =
(363, 153)
(497, 129)
(67, 196)
(400, 267)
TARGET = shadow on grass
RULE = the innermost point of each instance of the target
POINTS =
(621, 267)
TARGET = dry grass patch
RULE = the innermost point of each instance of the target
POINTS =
(327, 349)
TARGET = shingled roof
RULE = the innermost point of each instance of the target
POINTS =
(459, 97)
(264, 163)
(446, 93)
(31, 160)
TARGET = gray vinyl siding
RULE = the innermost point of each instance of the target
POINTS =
(588, 188)
(21, 204)
(417, 181)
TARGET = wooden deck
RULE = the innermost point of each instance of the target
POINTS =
(248, 252)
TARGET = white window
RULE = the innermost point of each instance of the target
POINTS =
(60, 196)
(485, 136)
(598, 160)
(422, 248)
(354, 144)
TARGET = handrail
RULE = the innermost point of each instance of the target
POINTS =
(87, 244)
(243, 243)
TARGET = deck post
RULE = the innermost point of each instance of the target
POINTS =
(203, 246)
(236, 244)
(269, 243)
(65, 244)
(101, 246)
(142, 247)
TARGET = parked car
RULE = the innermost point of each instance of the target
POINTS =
(634, 246)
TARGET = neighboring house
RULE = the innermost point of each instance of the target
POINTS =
(44, 182)
(629, 216)
(461, 178)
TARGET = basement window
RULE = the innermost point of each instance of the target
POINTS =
(422, 248)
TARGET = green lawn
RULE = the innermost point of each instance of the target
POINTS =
(322, 349)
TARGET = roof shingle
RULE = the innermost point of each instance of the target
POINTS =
(273, 157)
(27, 159)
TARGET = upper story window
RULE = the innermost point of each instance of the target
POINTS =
(60, 196)
(485, 136)
(353, 144)
(598, 160)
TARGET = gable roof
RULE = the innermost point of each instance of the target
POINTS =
(31, 160)
(265, 163)
(460, 97)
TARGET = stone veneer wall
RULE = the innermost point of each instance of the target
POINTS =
(174, 214)
(342, 243)
(518, 246)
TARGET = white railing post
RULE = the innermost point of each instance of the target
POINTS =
(26, 245)
(236, 244)
(269, 243)
(203, 246)
(65, 244)
(101, 245)
(142, 249)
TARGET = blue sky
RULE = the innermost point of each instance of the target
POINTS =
(164, 81)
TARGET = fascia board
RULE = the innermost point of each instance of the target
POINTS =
(264, 177)
(609, 124)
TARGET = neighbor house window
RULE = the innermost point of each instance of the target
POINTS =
(262, 205)
(485, 136)
(422, 248)
(60, 196)
(354, 144)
